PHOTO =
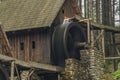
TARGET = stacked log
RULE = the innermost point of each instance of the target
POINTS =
(24, 75)
(72, 69)
(85, 64)
(89, 67)
(92, 63)
(96, 64)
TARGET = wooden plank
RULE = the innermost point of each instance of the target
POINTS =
(5, 42)
(88, 31)
(98, 26)
(111, 58)
(103, 42)
(116, 44)
(40, 66)
(105, 27)
(27, 47)
(12, 71)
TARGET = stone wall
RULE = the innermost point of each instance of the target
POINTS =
(96, 64)
(72, 69)
(89, 67)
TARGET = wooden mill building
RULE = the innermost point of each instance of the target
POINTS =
(32, 28)
(29, 25)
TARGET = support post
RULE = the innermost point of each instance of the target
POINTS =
(88, 31)
(114, 47)
(59, 77)
(31, 72)
(12, 70)
(103, 43)
(17, 72)
(92, 38)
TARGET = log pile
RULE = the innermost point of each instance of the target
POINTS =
(85, 64)
(89, 67)
(96, 64)
(77, 69)
(93, 62)
(72, 69)
(24, 75)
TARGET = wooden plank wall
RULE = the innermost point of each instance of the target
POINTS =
(39, 39)
(67, 10)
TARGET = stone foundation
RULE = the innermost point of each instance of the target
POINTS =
(89, 67)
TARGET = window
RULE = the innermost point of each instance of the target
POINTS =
(33, 44)
(63, 11)
(21, 46)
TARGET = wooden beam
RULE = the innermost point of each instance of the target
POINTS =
(5, 41)
(107, 28)
(46, 67)
(103, 42)
(99, 26)
(100, 35)
(12, 70)
(111, 58)
(116, 44)
(88, 31)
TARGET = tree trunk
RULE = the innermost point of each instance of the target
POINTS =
(85, 11)
(98, 11)
(80, 6)
(119, 12)
(105, 12)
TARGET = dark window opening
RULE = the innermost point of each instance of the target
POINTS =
(21, 46)
(63, 11)
(33, 44)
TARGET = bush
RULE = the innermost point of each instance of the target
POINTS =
(117, 74)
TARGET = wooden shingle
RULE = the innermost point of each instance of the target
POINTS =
(27, 14)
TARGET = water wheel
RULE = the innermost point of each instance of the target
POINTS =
(67, 41)
(3, 73)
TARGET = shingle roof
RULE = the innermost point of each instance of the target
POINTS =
(25, 14)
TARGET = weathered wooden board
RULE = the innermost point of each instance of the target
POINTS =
(111, 58)
(107, 28)
(32, 45)
(30, 64)
(5, 42)
(98, 26)
(67, 11)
